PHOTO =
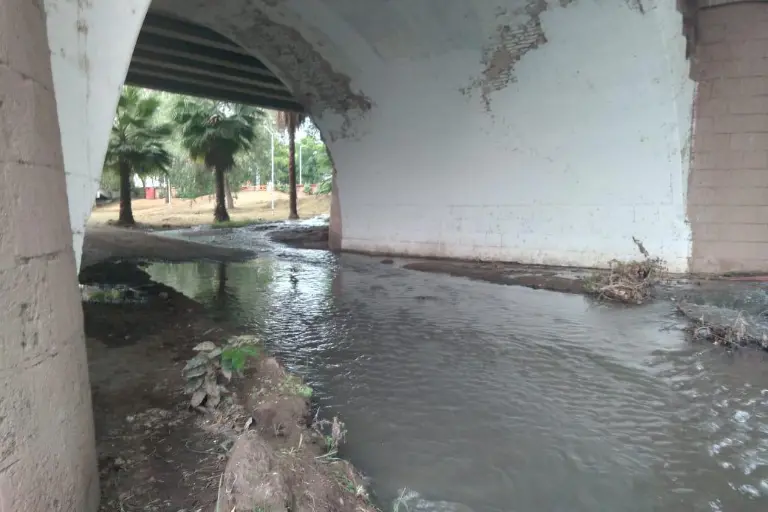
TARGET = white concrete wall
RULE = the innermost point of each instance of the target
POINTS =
(587, 148)
(91, 46)
(522, 130)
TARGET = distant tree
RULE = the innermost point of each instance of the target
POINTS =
(289, 122)
(215, 132)
(136, 145)
(315, 158)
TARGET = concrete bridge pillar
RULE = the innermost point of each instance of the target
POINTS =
(728, 186)
(47, 454)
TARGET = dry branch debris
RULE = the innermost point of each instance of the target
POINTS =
(630, 282)
(726, 327)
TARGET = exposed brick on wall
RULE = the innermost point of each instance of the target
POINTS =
(728, 183)
(47, 452)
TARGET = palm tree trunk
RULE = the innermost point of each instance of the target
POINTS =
(220, 212)
(294, 213)
(126, 212)
(228, 193)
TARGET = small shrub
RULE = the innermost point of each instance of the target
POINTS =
(334, 438)
(308, 189)
(293, 385)
(325, 186)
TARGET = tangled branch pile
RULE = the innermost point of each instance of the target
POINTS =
(631, 281)
(720, 326)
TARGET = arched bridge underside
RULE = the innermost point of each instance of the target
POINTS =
(527, 130)
(540, 131)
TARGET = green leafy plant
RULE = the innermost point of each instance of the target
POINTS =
(233, 359)
(308, 189)
(325, 186)
(294, 386)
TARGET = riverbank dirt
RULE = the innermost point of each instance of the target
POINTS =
(249, 206)
(302, 237)
(106, 243)
(158, 454)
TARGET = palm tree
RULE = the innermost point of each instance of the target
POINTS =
(136, 145)
(215, 132)
(290, 121)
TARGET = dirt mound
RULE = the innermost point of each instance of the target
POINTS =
(302, 237)
(284, 463)
(260, 477)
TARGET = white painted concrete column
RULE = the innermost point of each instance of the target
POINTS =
(91, 46)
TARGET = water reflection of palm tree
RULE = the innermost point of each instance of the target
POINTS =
(221, 292)
(223, 298)
(218, 295)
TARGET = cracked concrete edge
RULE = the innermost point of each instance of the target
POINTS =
(511, 42)
(264, 28)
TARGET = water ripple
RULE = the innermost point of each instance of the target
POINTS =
(502, 398)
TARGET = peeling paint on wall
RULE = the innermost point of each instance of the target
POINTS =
(508, 46)
(690, 11)
(511, 42)
(307, 74)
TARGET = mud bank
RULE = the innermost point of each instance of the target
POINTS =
(260, 449)
(311, 237)
(104, 243)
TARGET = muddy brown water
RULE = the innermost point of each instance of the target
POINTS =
(485, 397)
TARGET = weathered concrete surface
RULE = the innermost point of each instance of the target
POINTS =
(91, 43)
(728, 199)
(538, 131)
(47, 455)
(528, 130)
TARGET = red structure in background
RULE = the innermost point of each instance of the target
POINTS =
(150, 193)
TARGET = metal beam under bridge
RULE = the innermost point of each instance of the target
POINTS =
(184, 58)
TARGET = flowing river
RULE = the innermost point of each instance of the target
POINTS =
(462, 395)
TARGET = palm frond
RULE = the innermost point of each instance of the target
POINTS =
(215, 131)
(136, 138)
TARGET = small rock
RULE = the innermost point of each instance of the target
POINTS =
(206, 346)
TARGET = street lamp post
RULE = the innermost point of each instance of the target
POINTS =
(301, 182)
(272, 134)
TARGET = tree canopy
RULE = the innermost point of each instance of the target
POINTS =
(189, 175)
(136, 144)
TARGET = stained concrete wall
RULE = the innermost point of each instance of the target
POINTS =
(729, 178)
(47, 454)
(546, 134)
(544, 131)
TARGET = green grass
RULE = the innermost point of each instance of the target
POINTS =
(237, 223)
(293, 385)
